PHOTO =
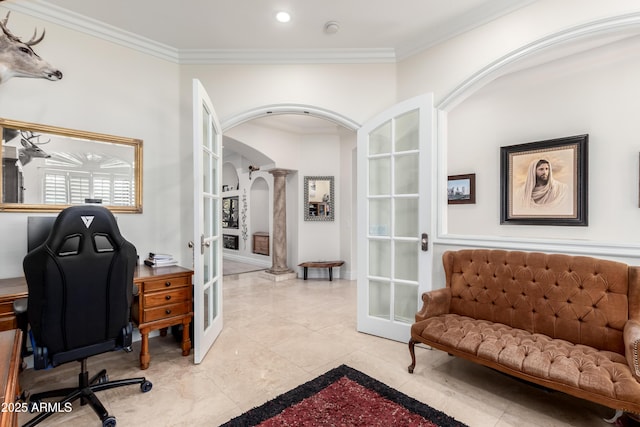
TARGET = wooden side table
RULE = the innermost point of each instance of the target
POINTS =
(165, 298)
(320, 264)
(261, 243)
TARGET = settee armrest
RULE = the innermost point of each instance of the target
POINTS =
(631, 346)
(434, 303)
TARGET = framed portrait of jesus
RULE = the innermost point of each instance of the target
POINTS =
(545, 182)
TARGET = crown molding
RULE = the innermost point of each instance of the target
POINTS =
(77, 22)
(93, 27)
(286, 56)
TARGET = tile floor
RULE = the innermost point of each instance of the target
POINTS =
(278, 335)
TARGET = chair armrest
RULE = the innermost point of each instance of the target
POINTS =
(434, 303)
(631, 343)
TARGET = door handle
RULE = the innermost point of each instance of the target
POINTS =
(203, 244)
(424, 242)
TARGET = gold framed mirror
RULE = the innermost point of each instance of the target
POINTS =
(47, 168)
(319, 198)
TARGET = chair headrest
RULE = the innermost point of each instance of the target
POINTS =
(84, 221)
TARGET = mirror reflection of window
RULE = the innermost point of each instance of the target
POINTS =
(45, 165)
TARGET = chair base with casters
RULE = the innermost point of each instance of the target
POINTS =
(86, 393)
(87, 387)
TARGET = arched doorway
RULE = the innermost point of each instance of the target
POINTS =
(329, 141)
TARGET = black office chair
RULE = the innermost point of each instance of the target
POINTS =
(80, 290)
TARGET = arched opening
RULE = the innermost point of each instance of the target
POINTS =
(307, 141)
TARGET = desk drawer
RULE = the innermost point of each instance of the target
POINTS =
(174, 282)
(166, 311)
(172, 296)
(8, 322)
(6, 308)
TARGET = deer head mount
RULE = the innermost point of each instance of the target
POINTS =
(17, 58)
(30, 148)
(252, 169)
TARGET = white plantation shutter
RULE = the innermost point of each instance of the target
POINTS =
(70, 187)
(78, 187)
(102, 188)
(55, 188)
(123, 191)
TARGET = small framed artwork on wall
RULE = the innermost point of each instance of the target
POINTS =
(461, 189)
(545, 182)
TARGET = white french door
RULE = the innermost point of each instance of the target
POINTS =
(207, 227)
(394, 218)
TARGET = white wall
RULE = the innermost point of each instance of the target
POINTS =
(111, 89)
(593, 93)
(108, 89)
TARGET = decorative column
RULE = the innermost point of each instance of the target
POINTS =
(279, 241)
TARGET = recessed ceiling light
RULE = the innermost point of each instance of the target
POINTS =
(283, 17)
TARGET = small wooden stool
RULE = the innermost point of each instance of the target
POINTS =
(320, 264)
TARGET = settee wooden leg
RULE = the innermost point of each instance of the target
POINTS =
(412, 351)
(615, 417)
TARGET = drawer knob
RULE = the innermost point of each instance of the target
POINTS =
(168, 297)
(167, 283)
(168, 311)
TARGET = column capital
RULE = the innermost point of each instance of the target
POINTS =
(280, 172)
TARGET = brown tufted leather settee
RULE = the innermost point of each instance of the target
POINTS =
(569, 323)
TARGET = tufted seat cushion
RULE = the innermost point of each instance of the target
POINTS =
(570, 323)
(573, 365)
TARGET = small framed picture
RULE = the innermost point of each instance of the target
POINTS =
(461, 189)
(545, 182)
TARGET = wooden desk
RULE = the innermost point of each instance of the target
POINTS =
(10, 344)
(157, 305)
(10, 290)
(165, 298)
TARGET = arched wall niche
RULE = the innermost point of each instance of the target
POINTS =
(260, 212)
(230, 178)
(578, 41)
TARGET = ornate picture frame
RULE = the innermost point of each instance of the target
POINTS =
(461, 189)
(545, 182)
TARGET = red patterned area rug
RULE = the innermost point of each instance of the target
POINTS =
(344, 397)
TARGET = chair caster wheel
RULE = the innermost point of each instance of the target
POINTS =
(110, 421)
(103, 379)
(146, 386)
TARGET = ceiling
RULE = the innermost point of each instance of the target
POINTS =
(391, 30)
(210, 31)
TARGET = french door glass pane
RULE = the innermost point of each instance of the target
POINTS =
(380, 140)
(205, 307)
(206, 128)
(214, 257)
(404, 304)
(406, 173)
(207, 264)
(214, 299)
(215, 216)
(380, 258)
(406, 217)
(407, 135)
(206, 206)
(380, 299)
(206, 172)
(379, 217)
(379, 176)
(406, 260)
